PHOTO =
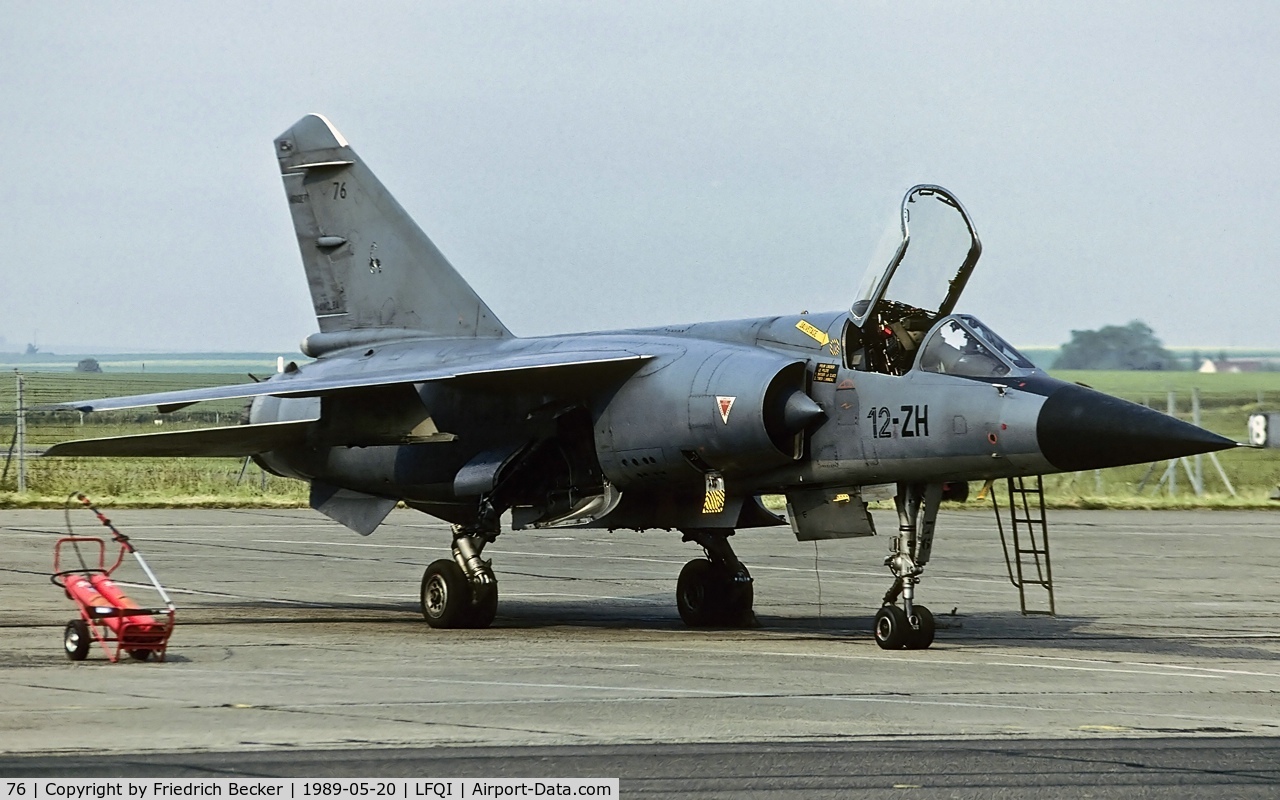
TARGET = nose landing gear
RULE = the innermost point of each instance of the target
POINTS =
(911, 626)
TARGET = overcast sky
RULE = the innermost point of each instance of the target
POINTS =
(604, 165)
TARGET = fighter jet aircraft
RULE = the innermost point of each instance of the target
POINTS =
(419, 394)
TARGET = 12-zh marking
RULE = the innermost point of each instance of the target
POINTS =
(912, 423)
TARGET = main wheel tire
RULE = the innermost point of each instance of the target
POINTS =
(76, 639)
(738, 600)
(699, 598)
(921, 637)
(446, 595)
(484, 606)
(891, 628)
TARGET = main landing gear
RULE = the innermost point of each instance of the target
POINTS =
(912, 625)
(463, 592)
(716, 590)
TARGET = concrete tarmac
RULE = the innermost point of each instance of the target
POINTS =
(1182, 767)
(294, 632)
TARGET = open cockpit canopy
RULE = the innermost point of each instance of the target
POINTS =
(915, 278)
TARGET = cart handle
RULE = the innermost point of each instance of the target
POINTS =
(102, 554)
(117, 536)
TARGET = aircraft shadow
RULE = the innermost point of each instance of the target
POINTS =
(1009, 630)
(1075, 634)
(1005, 629)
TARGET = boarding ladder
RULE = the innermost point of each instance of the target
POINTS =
(1028, 561)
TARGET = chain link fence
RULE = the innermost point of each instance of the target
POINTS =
(28, 427)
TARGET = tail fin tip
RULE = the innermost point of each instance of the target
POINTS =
(312, 132)
(368, 264)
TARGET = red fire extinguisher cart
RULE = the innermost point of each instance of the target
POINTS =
(107, 615)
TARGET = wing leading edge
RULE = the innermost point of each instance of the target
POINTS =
(577, 369)
(231, 440)
(300, 385)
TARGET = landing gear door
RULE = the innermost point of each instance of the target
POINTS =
(924, 260)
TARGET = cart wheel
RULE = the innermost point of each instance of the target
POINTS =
(140, 655)
(76, 638)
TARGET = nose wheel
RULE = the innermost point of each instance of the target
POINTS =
(910, 626)
(894, 630)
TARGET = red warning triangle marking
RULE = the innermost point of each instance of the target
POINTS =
(726, 405)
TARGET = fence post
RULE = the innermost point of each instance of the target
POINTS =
(22, 438)
(1172, 410)
(1199, 459)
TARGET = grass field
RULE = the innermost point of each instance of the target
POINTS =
(133, 481)
(1240, 388)
(1226, 400)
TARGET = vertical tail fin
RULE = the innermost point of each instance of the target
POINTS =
(369, 266)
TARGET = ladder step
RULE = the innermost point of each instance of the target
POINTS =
(1029, 548)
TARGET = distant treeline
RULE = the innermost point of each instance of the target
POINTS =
(230, 363)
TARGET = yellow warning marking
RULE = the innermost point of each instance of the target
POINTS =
(843, 497)
(813, 333)
(713, 503)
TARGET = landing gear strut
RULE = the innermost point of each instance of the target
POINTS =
(716, 590)
(463, 592)
(912, 625)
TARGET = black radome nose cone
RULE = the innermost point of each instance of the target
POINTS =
(1080, 428)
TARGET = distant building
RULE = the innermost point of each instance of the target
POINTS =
(1232, 365)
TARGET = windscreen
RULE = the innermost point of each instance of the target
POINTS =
(996, 342)
(961, 345)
